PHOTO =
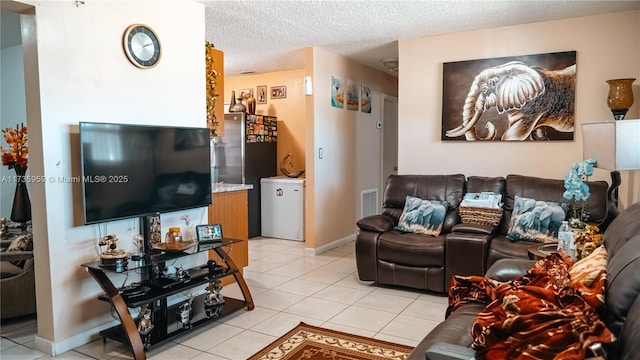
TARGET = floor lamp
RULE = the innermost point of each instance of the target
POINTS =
(616, 147)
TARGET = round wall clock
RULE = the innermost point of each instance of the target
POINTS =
(142, 46)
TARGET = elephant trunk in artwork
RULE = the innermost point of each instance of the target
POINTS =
(473, 107)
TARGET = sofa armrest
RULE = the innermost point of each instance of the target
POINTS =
(466, 254)
(507, 269)
(16, 255)
(474, 229)
(376, 223)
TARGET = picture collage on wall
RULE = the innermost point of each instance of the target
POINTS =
(358, 96)
(261, 128)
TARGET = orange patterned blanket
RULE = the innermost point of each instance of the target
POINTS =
(538, 316)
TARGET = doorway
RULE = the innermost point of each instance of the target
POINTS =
(389, 139)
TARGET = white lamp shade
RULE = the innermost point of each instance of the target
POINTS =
(614, 144)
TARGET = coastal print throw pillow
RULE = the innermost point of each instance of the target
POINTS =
(534, 220)
(422, 216)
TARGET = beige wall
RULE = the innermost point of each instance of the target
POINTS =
(351, 148)
(608, 47)
(289, 111)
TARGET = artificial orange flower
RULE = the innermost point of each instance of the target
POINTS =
(16, 154)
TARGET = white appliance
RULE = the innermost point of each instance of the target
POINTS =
(282, 207)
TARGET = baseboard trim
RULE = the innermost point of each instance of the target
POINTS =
(55, 348)
(330, 246)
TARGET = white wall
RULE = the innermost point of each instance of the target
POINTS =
(84, 75)
(608, 47)
(351, 149)
(12, 111)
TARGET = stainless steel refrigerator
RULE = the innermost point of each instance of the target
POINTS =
(245, 154)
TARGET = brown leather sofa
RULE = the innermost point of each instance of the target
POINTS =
(389, 256)
(622, 293)
(17, 282)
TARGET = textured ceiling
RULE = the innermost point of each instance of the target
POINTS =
(264, 36)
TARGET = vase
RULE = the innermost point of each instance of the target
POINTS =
(251, 104)
(239, 106)
(620, 97)
(21, 210)
(232, 104)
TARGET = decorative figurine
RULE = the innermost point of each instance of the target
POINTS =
(112, 251)
(112, 256)
(287, 162)
(214, 300)
(145, 326)
(185, 313)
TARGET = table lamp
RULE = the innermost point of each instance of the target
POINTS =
(616, 147)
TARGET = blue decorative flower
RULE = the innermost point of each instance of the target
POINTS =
(577, 190)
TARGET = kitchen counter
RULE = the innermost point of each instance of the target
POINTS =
(222, 187)
(229, 208)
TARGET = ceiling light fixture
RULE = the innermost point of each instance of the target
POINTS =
(391, 64)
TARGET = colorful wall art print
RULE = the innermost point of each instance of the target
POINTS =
(516, 98)
(337, 91)
(353, 95)
(365, 99)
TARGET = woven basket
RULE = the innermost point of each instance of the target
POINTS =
(480, 215)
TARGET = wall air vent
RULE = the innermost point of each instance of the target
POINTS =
(369, 202)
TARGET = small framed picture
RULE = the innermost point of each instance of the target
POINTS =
(208, 236)
(262, 94)
(278, 92)
(245, 93)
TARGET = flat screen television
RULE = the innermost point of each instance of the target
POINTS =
(138, 170)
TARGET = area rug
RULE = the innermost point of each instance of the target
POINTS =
(313, 343)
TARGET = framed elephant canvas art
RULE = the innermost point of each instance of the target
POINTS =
(518, 98)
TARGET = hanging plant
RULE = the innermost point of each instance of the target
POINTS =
(212, 95)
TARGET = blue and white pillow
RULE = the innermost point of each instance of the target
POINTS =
(422, 216)
(533, 220)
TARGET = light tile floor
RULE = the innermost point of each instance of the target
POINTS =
(287, 287)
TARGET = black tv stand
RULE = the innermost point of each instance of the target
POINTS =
(153, 290)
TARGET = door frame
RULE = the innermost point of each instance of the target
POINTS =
(385, 124)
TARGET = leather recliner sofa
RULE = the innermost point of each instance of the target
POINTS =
(622, 293)
(389, 256)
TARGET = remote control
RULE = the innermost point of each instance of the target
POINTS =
(444, 351)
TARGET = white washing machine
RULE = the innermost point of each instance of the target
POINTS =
(282, 207)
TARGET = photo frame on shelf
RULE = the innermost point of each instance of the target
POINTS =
(261, 91)
(278, 92)
(208, 236)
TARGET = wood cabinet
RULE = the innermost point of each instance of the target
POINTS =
(230, 209)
